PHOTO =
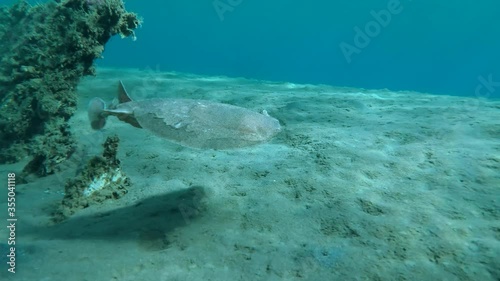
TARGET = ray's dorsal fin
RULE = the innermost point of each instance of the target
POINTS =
(122, 93)
(125, 116)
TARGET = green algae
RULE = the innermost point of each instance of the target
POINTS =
(100, 180)
(46, 49)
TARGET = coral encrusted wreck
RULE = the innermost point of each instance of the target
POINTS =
(45, 49)
(102, 179)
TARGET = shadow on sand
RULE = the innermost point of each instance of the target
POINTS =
(149, 220)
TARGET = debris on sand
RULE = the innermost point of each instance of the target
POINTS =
(102, 179)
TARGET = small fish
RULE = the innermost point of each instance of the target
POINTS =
(193, 123)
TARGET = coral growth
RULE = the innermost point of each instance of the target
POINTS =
(102, 179)
(45, 51)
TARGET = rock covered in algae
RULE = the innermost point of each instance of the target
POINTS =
(45, 50)
(102, 179)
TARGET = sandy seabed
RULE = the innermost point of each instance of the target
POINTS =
(359, 185)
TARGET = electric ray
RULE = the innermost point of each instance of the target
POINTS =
(188, 122)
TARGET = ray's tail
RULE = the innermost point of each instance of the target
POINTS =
(96, 114)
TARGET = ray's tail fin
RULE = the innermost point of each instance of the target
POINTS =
(98, 110)
(96, 114)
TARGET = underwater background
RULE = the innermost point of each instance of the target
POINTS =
(248, 140)
(430, 46)
(441, 47)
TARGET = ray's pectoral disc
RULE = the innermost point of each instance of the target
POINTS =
(193, 123)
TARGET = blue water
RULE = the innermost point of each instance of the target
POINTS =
(430, 46)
